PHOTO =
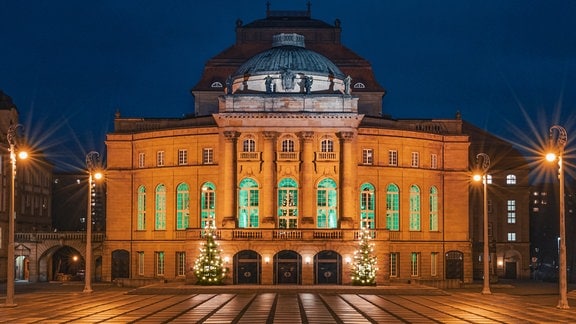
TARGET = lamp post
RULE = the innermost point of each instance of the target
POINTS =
(92, 160)
(558, 138)
(486, 258)
(10, 275)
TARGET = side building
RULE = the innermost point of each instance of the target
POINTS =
(289, 157)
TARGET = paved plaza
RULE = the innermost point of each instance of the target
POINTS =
(176, 303)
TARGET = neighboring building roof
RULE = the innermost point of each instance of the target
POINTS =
(6, 102)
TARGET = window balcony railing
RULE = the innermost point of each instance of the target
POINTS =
(249, 156)
(55, 236)
(287, 156)
(288, 234)
(326, 156)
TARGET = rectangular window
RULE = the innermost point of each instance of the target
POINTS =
(180, 263)
(367, 156)
(415, 160)
(511, 211)
(207, 155)
(393, 158)
(182, 157)
(140, 263)
(141, 160)
(414, 264)
(511, 236)
(160, 158)
(393, 264)
(159, 263)
(434, 264)
(434, 161)
(490, 204)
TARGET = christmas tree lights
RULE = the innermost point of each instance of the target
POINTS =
(209, 268)
(364, 267)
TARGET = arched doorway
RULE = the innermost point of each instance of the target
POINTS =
(454, 265)
(247, 269)
(512, 259)
(287, 267)
(120, 264)
(67, 265)
(328, 268)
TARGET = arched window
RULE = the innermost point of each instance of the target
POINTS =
(414, 208)
(287, 203)
(182, 206)
(287, 145)
(207, 204)
(393, 207)
(359, 85)
(510, 179)
(327, 204)
(249, 145)
(367, 206)
(248, 203)
(141, 208)
(160, 216)
(216, 84)
(327, 145)
(433, 209)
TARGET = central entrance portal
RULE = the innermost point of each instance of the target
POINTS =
(287, 267)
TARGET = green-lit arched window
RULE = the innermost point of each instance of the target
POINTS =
(182, 206)
(160, 216)
(248, 203)
(287, 203)
(367, 205)
(414, 208)
(327, 204)
(433, 209)
(141, 226)
(207, 204)
(393, 207)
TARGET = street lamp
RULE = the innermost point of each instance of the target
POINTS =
(558, 138)
(92, 164)
(11, 137)
(483, 176)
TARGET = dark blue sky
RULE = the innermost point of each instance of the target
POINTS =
(69, 65)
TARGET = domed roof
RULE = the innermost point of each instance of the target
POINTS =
(288, 53)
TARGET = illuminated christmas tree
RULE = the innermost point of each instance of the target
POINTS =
(364, 266)
(209, 269)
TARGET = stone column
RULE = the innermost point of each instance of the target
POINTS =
(307, 194)
(348, 199)
(267, 200)
(228, 181)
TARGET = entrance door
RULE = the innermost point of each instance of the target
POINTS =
(120, 264)
(510, 270)
(247, 267)
(287, 266)
(455, 265)
(327, 266)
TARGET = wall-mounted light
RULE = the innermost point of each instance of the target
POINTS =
(348, 260)
(226, 260)
(500, 262)
(266, 260)
(307, 260)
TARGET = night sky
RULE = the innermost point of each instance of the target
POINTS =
(70, 65)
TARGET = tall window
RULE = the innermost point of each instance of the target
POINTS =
(393, 158)
(207, 204)
(433, 209)
(160, 217)
(510, 179)
(326, 204)
(434, 264)
(414, 208)
(160, 158)
(248, 204)
(180, 263)
(415, 264)
(141, 160)
(287, 203)
(367, 205)
(159, 256)
(140, 263)
(393, 207)
(327, 145)
(287, 145)
(434, 161)
(141, 208)
(394, 264)
(182, 157)
(511, 206)
(368, 156)
(207, 155)
(511, 236)
(182, 206)
(415, 160)
(249, 145)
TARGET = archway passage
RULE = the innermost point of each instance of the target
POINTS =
(328, 268)
(247, 267)
(287, 267)
(120, 264)
(454, 265)
(67, 264)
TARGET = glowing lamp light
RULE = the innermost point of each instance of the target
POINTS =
(477, 177)
(267, 260)
(307, 260)
(23, 155)
(551, 157)
(348, 260)
(98, 175)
